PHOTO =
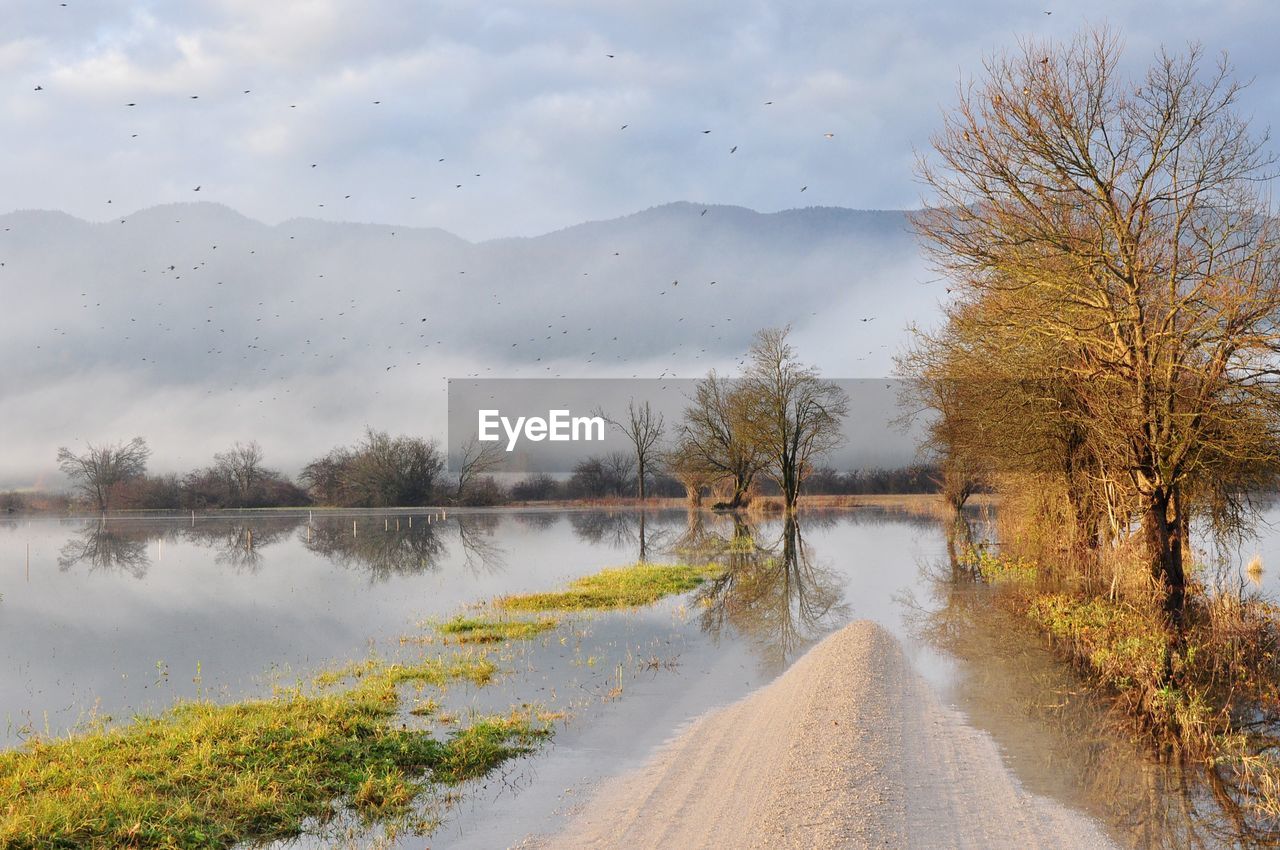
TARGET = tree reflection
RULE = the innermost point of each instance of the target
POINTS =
(107, 547)
(481, 552)
(628, 529)
(775, 593)
(239, 543)
(376, 547)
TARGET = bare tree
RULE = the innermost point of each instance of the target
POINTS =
(477, 458)
(100, 470)
(794, 415)
(643, 428)
(714, 437)
(1125, 224)
(683, 463)
(241, 466)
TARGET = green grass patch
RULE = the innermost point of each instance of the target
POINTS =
(213, 776)
(462, 629)
(429, 671)
(622, 587)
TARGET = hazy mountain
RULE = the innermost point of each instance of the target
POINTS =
(195, 326)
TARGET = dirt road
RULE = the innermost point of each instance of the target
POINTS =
(850, 749)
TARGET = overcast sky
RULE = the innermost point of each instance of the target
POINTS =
(524, 94)
(385, 111)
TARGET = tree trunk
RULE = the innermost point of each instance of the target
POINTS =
(1163, 537)
(790, 487)
(741, 484)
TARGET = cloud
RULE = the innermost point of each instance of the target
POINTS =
(523, 94)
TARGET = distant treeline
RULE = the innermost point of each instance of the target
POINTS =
(381, 470)
(760, 434)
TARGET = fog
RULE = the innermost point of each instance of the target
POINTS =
(195, 326)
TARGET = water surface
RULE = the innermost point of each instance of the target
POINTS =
(128, 615)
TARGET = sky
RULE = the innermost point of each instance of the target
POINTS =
(386, 111)
(487, 120)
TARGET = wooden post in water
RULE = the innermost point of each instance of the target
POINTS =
(397, 523)
(248, 539)
(386, 524)
(353, 528)
(411, 522)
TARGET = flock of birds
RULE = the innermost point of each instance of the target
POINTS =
(248, 341)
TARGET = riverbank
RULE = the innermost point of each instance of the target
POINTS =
(848, 748)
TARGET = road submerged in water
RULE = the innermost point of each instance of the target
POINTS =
(849, 748)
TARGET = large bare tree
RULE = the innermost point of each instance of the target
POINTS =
(714, 445)
(100, 469)
(794, 415)
(1122, 224)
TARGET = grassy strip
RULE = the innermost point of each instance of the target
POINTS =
(462, 629)
(622, 587)
(207, 775)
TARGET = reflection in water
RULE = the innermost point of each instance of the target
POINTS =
(381, 546)
(774, 592)
(104, 547)
(377, 548)
(481, 552)
(775, 598)
(1063, 739)
(622, 530)
(239, 544)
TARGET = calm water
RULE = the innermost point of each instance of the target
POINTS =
(129, 616)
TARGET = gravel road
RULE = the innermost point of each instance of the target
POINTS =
(849, 748)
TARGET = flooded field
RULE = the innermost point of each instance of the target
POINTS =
(109, 619)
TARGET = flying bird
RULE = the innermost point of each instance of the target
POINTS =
(733, 149)
(828, 135)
